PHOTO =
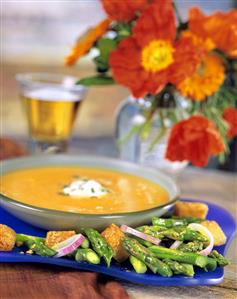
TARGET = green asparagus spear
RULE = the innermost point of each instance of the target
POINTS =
(143, 242)
(88, 255)
(85, 244)
(184, 234)
(189, 219)
(138, 265)
(151, 228)
(168, 222)
(192, 235)
(193, 246)
(211, 264)
(180, 233)
(39, 248)
(36, 244)
(183, 257)
(220, 259)
(147, 257)
(180, 268)
(99, 244)
(21, 239)
(171, 222)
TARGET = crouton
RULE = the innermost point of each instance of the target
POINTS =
(218, 234)
(55, 237)
(113, 235)
(192, 209)
(7, 238)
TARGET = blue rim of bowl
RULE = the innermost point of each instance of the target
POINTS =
(62, 213)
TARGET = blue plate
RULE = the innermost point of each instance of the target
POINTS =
(124, 271)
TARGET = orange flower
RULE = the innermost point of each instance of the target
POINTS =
(207, 79)
(230, 115)
(220, 27)
(123, 10)
(151, 58)
(206, 43)
(194, 139)
(86, 41)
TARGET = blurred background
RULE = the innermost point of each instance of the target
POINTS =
(36, 35)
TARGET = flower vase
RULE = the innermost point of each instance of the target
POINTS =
(148, 151)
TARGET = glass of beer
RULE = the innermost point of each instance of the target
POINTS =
(51, 102)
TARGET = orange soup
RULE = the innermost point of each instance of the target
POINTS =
(119, 192)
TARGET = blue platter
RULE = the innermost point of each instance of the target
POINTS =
(124, 271)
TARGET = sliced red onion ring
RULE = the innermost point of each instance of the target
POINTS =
(69, 245)
(203, 230)
(134, 232)
(176, 244)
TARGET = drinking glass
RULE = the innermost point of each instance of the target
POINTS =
(51, 102)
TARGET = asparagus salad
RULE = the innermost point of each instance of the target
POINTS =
(174, 244)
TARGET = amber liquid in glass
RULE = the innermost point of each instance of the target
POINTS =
(51, 113)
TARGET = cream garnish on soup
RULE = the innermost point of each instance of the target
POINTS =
(83, 190)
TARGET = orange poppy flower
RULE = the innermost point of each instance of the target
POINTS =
(123, 10)
(206, 80)
(151, 58)
(206, 43)
(230, 115)
(194, 140)
(86, 41)
(220, 27)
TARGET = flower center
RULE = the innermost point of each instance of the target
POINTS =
(157, 55)
(201, 69)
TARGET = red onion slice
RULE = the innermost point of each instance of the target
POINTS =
(203, 230)
(134, 232)
(176, 244)
(69, 245)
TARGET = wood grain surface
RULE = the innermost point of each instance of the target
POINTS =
(42, 281)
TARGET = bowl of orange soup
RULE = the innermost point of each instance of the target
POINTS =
(62, 192)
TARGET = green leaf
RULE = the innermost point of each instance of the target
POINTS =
(123, 30)
(106, 45)
(96, 80)
(102, 66)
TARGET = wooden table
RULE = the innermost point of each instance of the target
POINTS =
(214, 186)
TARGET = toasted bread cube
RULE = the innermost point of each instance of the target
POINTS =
(114, 236)
(192, 209)
(55, 237)
(218, 234)
(7, 238)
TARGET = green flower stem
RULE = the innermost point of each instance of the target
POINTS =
(158, 137)
(177, 13)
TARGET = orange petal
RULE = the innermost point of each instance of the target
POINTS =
(221, 27)
(194, 139)
(86, 41)
(126, 66)
(205, 81)
(156, 22)
(187, 56)
(230, 115)
(123, 10)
